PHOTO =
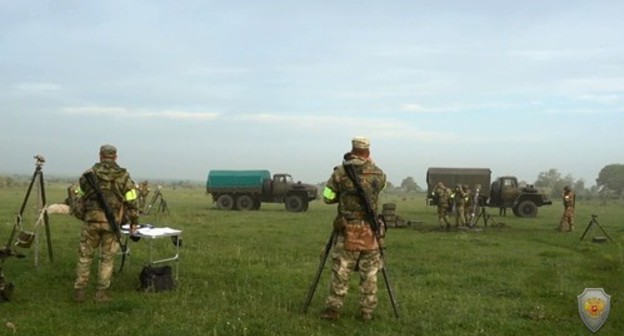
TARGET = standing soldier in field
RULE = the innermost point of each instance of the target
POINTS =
(442, 196)
(567, 219)
(144, 190)
(458, 201)
(356, 245)
(118, 190)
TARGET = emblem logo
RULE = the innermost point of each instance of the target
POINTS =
(594, 305)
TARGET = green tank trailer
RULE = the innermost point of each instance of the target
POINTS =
(248, 189)
(504, 192)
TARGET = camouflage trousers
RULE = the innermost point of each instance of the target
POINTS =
(343, 263)
(460, 217)
(567, 220)
(443, 216)
(92, 236)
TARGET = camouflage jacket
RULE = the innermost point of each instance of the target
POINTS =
(459, 198)
(569, 200)
(351, 208)
(442, 197)
(118, 189)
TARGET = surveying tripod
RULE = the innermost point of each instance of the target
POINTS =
(162, 205)
(593, 222)
(25, 238)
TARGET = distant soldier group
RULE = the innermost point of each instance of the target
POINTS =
(459, 202)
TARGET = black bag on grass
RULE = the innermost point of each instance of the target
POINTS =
(6, 288)
(156, 279)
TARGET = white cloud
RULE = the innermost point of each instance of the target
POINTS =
(576, 111)
(379, 128)
(37, 87)
(584, 85)
(546, 55)
(418, 108)
(597, 98)
(216, 71)
(125, 112)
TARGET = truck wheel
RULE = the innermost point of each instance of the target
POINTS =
(526, 209)
(293, 203)
(225, 202)
(245, 202)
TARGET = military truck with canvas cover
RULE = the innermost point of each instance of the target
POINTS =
(248, 189)
(504, 192)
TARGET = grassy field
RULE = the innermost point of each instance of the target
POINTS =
(248, 273)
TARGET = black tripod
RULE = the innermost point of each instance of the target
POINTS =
(592, 222)
(487, 218)
(25, 238)
(162, 205)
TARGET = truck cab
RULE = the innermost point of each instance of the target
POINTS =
(506, 192)
(281, 184)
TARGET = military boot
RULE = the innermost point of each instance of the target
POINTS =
(101, 296)
(80, 295)
(330, 314)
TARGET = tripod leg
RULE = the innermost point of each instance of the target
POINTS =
(587, 229)
(476, 220)
(18, 221)
(603, 231)
(46, 218)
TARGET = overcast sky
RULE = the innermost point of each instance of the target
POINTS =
(182, 87)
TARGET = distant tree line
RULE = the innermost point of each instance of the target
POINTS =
(609, 184)
(16, 180)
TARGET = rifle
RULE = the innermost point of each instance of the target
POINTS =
(373, 222)
(317, 276)
(110, 217)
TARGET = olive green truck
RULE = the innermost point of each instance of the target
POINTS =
(248, 189)
(504, 192)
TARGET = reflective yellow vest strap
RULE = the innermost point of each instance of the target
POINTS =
(329, 194)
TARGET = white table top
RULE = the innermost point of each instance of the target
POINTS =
(152, 232)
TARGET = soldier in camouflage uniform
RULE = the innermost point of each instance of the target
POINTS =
(356, 246)
(442, 197)
(567, 219)
(118, 189)
(458, 201)
(144, 190)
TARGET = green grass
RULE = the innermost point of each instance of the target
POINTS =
(248, 273)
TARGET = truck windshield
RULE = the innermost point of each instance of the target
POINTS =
(283, 179)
